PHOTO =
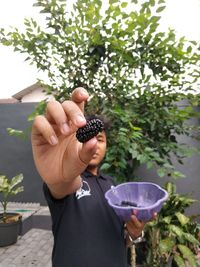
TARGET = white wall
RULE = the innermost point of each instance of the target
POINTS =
(36, 95)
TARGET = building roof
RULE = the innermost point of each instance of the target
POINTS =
(26, 91)
(8, 100)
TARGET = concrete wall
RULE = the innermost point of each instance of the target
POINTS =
(16, 153)
(16, 157)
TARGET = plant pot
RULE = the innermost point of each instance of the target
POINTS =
(9, 231)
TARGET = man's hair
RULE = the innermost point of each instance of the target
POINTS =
(105, 121)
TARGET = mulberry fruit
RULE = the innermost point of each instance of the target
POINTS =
(91, 129)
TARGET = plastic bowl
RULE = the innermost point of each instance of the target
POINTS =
(140, 198)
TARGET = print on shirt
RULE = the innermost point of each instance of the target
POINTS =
(83, 191)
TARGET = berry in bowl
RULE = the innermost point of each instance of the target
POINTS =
(140, 198)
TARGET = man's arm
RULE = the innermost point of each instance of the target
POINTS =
(134, 229)
(58, 156)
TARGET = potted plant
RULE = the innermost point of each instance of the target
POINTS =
(9, 221)
(173, 238)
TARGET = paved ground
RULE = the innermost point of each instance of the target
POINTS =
(32, 249)
(34, 245)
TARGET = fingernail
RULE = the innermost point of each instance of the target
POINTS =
(84, 93)
(53, 140)
(65, 128)
(80, 119)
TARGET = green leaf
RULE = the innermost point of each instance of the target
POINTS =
(177, 174)
(136, 128)
(160, 9)
(16, 180)
(189, 49)
(167, 219)
(166, 245)
(124, 4)
(170, 187)
(8, 187)
(150, 165)
(161, 172)
(182, 218)
(179, 261)
(191, 238)
(188, 254)
(134, 154)
(113, 1)
(142, 158)
(193, 42)
(177, 230)
(4, 184)
(152, 2)
(18, 133)
(16, 191)
(105, 166)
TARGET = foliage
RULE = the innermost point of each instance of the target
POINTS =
(19, 133)
(173, 235)
(8, 188)
(135, 73)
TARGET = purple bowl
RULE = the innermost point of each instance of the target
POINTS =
(141, 198)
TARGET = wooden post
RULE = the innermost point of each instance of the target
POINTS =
(133, 256)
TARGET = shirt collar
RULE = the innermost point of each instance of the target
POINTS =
(88, 174)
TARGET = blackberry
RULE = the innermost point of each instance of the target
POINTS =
(91, 129)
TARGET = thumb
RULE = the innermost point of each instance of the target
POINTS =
(88, 150)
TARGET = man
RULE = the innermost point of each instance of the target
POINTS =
(87, 232)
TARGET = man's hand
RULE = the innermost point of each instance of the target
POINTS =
(58, 156)
(135, 227)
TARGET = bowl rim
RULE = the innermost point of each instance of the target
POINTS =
(157, 203)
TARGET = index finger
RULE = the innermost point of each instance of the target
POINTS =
(80, 96)
(135, 222)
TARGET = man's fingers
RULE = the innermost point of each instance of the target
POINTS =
(66, 116)
(80, 96)
(88, 150)
(134, 221)
(41, 126)
(56, 115)
(74, 113)
(135, 227)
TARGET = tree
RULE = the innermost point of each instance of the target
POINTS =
(135, 73)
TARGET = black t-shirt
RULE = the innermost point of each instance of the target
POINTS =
(87, 232)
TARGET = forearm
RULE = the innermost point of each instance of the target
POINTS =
(62, 189)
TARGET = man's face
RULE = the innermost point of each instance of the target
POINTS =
(101, 150)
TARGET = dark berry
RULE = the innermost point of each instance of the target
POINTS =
(91, 129)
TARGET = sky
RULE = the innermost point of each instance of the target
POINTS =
(16, 74)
